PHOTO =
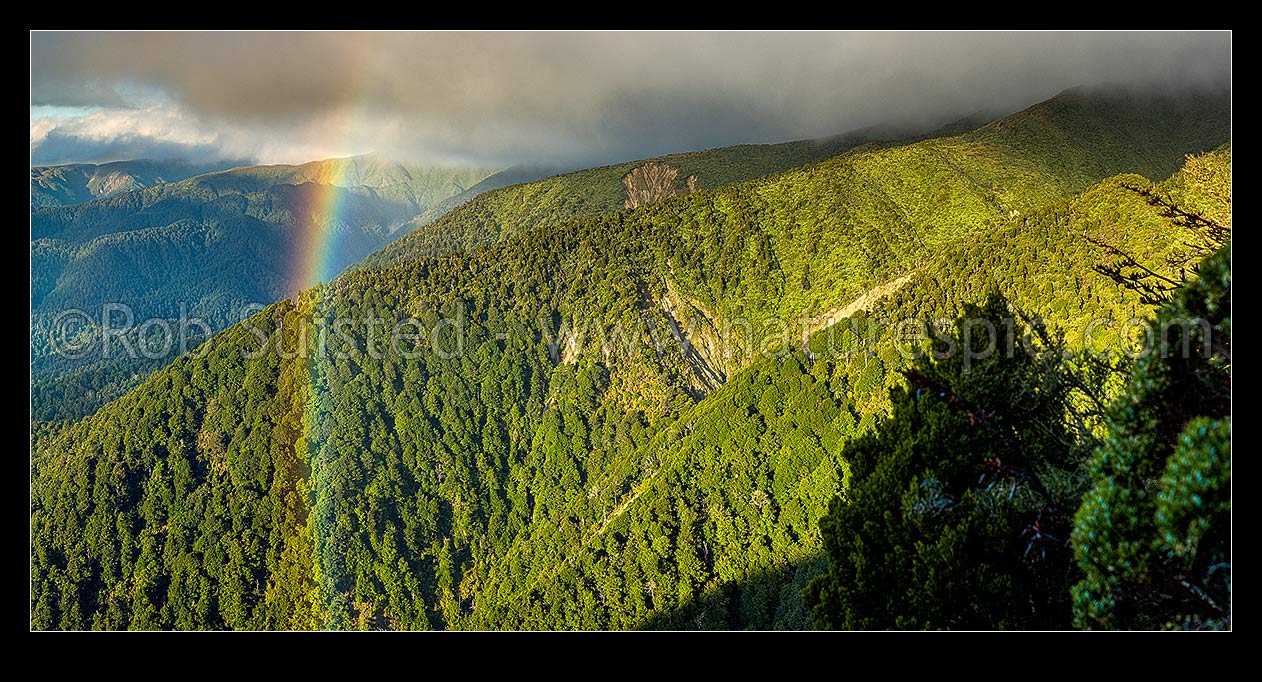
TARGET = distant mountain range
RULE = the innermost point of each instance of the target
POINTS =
(82, 182)
(240, 228)
(410, 189)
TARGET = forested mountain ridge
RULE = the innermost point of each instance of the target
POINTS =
(513, 175)
(517, 208)
(83, 182)
(517, 483)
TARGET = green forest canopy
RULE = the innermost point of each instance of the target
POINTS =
(512, 487)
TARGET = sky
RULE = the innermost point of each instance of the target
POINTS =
(542, 97)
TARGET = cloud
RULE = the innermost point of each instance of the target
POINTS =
(60, 148)
(155, 131)
(508, 97)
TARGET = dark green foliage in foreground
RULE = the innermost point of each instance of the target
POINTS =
(1153, 536)
(956, 510)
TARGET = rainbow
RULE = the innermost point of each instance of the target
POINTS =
(321, 241)
(321, 236)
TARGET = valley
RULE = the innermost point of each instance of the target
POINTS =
(643, 396)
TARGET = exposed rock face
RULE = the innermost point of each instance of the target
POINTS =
(119, 182)
(699, 336)
(653, 181)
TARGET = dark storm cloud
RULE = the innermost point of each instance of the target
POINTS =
(74, 94)
(552, 96)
